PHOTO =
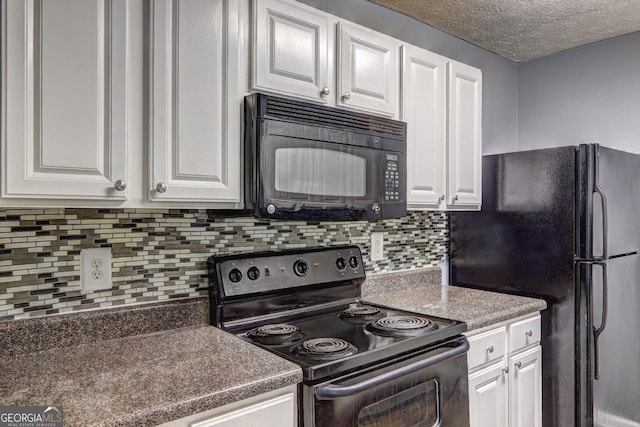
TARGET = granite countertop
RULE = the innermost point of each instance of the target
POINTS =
(160, 362)
(140, 380)
(421, 291)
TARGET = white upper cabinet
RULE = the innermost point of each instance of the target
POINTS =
(194, 110)
(64, 79)
(291, 50)
(464, 187)
(89, 120)
(442, 105)
(423, 108)
(367, 70)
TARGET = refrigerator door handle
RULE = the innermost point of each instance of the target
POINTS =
(603, 200)
(603, 322)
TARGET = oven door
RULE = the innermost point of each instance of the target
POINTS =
(308, 172)
(423, 390)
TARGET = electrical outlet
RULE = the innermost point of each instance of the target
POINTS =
(377, 246)
(95, 269)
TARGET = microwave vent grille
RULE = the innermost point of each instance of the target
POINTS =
(332, 117)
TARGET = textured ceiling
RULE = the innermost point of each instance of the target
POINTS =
(525, 29)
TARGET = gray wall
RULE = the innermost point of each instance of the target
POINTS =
(588, 94)
(499, 75)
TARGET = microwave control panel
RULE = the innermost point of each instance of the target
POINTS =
(391, 179)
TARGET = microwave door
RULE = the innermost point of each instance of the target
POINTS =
(311, 179)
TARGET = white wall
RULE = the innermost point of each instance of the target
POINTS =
(499, 75)
(588, 94)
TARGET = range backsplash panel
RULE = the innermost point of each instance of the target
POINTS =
(161, 254)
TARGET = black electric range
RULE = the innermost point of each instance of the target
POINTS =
(305, 306)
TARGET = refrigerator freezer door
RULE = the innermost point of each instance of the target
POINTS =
(616, 391)
(523, 240)
(617, 174)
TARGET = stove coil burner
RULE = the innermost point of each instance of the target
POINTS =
(362, 314)
(402, 326)
(325, 348)
(275, 333)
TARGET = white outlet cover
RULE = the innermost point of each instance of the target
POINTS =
(377, 246)
(95, 269)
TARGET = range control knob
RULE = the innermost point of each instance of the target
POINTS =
(253, 273)
(341, 263)
(235, 275)
(301, 268)
(353, 262)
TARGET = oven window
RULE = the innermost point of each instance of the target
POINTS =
(320, 172)
(415, 407)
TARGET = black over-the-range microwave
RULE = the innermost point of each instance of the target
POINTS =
(312, 162)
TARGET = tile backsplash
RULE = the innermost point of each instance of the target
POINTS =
(161, 254)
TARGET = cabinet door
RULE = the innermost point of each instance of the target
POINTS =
(488, 397)
(291, 50)
(525, 399)
(465, 136)
(64, 81)
(277, 412)
(194, 135)
(423, 108)
(367, 73)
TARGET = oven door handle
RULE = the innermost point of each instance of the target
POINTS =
(333, 391)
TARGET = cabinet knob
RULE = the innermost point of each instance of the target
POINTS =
(455, 199)
(120, 185)
(441, 198)
(375, 208)
(529, 333)
(346, 96)
(490, 349)
(161, 187)
(325, 91)
(518, 365)
(505, 369)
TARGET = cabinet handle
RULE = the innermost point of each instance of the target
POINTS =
(161, 187)
(518, 365)
(505, 369)
(455, 199)
(120, 185)
(346, 96)
(490, 349)
(529, 333)
(324, 91)
(441, 198)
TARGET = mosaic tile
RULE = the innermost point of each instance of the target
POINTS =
(161, 254)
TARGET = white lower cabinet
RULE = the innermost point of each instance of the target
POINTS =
(273, 409)
(489, 397)
(505, 374)
(525, 400)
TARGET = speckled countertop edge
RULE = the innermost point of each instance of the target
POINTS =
(421, 291)
(157, 369)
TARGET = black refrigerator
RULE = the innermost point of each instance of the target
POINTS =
(563, 224)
